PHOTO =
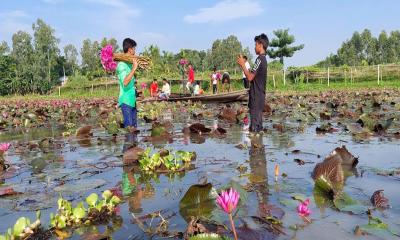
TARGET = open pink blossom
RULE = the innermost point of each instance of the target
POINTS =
(228, 200)
(302, 208)
(106, 56)
(4, 147)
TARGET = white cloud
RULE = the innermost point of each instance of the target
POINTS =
(13, 21)
(225, 11)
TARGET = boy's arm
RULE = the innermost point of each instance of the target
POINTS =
(131, 74)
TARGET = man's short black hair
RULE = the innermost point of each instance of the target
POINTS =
(215, 69)
(263, 39)
(128, 43)
(164, 79)
(154, 80)
(245, 57)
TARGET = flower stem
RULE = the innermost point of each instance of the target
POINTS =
(233, 226)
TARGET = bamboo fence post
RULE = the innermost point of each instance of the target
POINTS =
(59, 91)
(273, 79)
(328, 77)
(345, 78)
(284, 77)
(307, 76)
(378, 75)
(91, 92)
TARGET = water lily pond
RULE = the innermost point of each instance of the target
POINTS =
(71, 149)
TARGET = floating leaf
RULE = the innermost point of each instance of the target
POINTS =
(198, 201)
(378, 228)
(345, 203)
(20, 225)
(92, 199)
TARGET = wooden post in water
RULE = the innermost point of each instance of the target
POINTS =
(273, 79)
(328, 77)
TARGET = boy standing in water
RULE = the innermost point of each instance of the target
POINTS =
(126, 78)
(257, 78)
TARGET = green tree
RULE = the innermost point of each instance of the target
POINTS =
(4, 49)
(46, 53)
(112, 41)
(281, 45)
(22, 53)
(91, 64)
(71, 59)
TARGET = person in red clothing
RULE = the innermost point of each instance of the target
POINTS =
(189, 84)
(154, 88)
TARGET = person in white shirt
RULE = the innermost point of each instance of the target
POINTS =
(246, 83)
(196, 90)
(215, 76)
(165, 90)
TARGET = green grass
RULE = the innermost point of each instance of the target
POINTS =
(85, 90)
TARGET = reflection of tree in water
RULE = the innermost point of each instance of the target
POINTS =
(258, 167)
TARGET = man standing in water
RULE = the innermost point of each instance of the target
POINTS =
(126, 78)
(257, 78)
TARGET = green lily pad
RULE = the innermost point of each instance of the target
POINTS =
(345, 203)
(198, 201)
(378, 228)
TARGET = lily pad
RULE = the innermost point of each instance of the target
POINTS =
(199, 201)
(345, 203)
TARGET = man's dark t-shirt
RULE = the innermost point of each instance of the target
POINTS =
(258, 85)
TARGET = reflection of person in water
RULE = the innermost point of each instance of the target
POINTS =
(131, 186)
(258, 166)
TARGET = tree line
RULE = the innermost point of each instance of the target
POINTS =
(363, 49)
(35, 63)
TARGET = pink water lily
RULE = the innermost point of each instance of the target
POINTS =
(303, 210)
(106, 56)
(228, 201)
(4, 147)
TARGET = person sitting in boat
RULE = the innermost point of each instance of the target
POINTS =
(154, 88)
(165, 90)
(226, 82)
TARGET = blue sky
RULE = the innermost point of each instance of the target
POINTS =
(174, 24)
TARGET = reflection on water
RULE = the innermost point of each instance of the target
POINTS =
(40, 170)
(258, 168)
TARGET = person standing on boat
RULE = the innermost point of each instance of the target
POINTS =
(126, 78)
(257, 78)
(246, 83)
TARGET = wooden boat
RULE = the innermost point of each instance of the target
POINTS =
(235, 96)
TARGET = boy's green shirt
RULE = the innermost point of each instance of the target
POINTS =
(127, 94)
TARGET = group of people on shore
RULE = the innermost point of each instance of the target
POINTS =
(253, 78)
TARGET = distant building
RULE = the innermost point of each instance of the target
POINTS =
(63, 80)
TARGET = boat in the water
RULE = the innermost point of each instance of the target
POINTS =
(234, 96)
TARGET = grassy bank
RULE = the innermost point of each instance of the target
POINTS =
(100, 90)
